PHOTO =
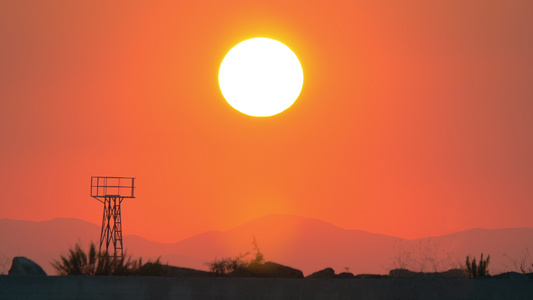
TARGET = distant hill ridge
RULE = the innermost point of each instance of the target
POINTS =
(303, 243)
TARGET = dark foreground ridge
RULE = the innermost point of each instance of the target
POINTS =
(132, 287)
(260, 281)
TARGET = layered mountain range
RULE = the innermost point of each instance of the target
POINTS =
(302, 243)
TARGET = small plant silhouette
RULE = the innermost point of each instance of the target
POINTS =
(259, 257)
(426, 255)
(4, 264)
(475, 270)
(230, 264)
(523, 263)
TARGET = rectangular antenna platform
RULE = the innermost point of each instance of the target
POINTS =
(120, 187)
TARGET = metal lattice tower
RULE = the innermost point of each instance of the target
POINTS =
(111, 191)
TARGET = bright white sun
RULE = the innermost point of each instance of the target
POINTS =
(260, 77)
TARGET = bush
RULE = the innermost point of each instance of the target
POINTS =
(522, 264)
(4, 264)
(229, 264)
(475, 270)
(150, 268)
(77, 262)
(424, 256)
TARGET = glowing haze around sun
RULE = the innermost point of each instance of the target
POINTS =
(260, 77)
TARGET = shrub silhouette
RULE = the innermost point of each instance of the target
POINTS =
(227, 265)
(259, 257)
(4, 264)
(424, 256)
(77, 262)
(524, 263)
(230, 264)
(475, 270)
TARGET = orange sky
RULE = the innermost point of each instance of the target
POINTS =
(415, 118)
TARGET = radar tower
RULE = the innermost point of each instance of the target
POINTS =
(111, 191)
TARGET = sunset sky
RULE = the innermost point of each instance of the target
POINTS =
(415, 118)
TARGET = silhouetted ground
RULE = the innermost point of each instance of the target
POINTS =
(105, 287)
(264, 281)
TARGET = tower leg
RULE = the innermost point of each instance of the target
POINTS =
(117, 228)
(111, 232)
(104, 233)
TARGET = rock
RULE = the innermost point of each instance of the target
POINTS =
(326, 273)
(241, 272)
(403, 273)
(23, 266)
(152, 269)
(371, 276)
(344, 275)
(268, 269)
(453, 273)
(512, 276)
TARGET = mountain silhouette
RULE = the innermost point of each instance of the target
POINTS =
(303, 243)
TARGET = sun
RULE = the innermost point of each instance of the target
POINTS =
(260, 77)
